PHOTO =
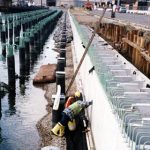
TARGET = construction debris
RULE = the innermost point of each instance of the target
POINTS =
(46, 74)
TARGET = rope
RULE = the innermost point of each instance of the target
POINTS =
(86, 50)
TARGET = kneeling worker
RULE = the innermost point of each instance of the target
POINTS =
(69, 114)
(71, 99)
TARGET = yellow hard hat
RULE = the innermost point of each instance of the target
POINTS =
(77, 94)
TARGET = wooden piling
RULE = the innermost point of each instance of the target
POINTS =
(132, 44)
(11, 67)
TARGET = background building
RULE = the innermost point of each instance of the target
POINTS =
(5, 2)
(40, 2)
(51, 2)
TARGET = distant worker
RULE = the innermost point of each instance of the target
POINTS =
(113, 11)
(69, 114)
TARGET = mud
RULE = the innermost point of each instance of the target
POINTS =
(83, 17)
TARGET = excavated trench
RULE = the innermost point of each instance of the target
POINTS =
(75, 140)
(131, 41)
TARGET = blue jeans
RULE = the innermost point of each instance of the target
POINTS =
(64, 119)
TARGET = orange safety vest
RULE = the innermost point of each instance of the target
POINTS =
(69, 101)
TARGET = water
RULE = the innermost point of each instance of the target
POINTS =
(21, 111)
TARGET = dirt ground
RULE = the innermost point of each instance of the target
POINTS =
(45, 124)
(83, 17)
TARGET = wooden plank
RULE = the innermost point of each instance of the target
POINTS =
(145, 56)
(132, 44)
(130, 48)
(147, 68)
(133, 49)
(117, 34)
(142, 42)
(106, 27)
(143, 61)
(120, 33)
(113, 29)
(139, 57)
(109, 29)
(141, 50)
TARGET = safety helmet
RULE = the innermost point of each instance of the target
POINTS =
(77, 94)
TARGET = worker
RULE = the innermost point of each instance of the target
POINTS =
(113, 11)
(70, 100)
(69, 114)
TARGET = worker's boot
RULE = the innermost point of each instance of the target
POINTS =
(58, 129)
(72, 125)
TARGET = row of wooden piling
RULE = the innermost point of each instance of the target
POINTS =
(29, 46)
(132, 43)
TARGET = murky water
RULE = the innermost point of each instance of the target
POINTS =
(21, 111)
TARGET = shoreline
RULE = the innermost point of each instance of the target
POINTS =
(45, 123)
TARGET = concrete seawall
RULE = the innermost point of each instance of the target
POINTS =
(105, 128)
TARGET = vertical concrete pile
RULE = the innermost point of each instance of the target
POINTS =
(62, 37)
(63, 34)
(27, 33)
